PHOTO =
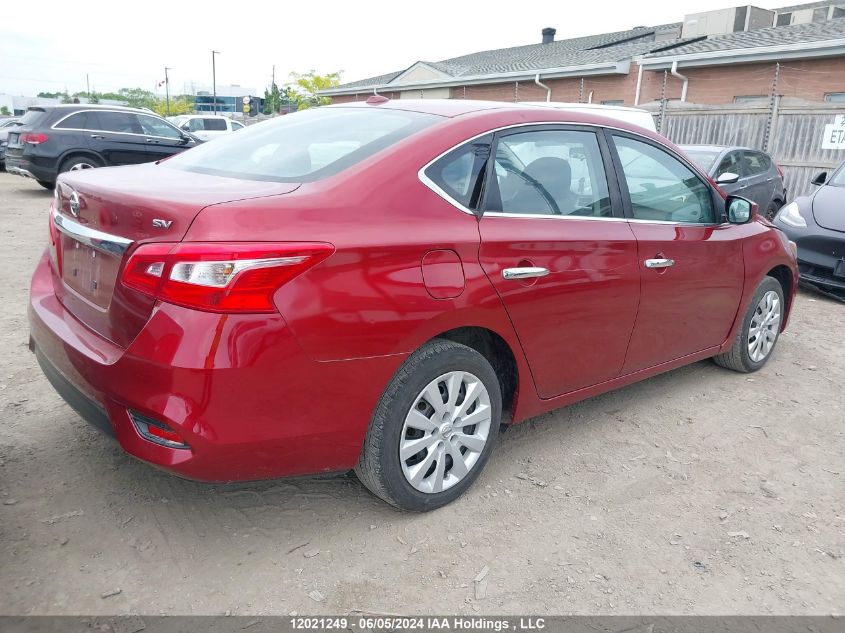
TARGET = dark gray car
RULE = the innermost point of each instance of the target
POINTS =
(757, 177)
(816, 223)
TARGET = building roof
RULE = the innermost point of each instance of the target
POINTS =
(605, 47)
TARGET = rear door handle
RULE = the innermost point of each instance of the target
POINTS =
(528, 272)
(98, 136)
(659, 263)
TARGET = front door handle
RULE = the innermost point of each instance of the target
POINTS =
(529, 272)
(98, 136)
(659, 263)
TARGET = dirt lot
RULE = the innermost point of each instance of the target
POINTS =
(700, 491)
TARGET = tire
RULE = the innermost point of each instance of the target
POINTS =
(46, 184)
(772, 211)
(740, 357)
(404, 405)
(75, 163)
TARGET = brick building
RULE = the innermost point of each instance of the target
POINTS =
(717, 57)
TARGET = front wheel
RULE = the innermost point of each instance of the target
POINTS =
(772, 211)
(760, 329)
(433, 429)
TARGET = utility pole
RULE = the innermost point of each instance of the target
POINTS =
(88, 84)
(167, 89)
(214, 79)
(273, 90)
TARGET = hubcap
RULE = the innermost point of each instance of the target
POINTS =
(79, 166)
(445, 432)
(764, 328)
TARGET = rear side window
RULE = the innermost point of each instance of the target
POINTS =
(78, 121)
(304, 146)
(215, 125)
(459, 173)
(121, 122)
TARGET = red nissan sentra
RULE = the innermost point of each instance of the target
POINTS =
(381, 285)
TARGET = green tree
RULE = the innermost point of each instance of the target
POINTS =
(276, 99)
(307, 85)
(137, 97)
(4, 111)
(179, 104)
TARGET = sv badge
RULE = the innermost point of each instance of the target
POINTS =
(162, 224)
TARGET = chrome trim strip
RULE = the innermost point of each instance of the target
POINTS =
(546, 216)
(98, 240)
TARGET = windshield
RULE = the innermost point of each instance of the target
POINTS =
(304, 146)
(838, 178)
(702, 157)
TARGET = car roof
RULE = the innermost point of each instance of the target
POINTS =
(714, 148)
(70, 107)
(440, 107)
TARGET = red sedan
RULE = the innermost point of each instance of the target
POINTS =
(381, 285)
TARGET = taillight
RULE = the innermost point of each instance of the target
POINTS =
(220, 277)
(33, 138)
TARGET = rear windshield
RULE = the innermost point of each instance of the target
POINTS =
(33, 117)
(703, 158)
(304, 146)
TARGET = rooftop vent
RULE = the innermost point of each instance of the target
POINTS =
(549, 35)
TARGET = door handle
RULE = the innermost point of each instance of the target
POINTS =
(659, 263)
(150, 140)
(529, 272)
(98, 136)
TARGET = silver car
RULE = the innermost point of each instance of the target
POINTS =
(742, 171)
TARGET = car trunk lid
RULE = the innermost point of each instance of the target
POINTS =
(829, 207)
(99, 218)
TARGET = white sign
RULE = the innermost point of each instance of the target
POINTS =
(245, 100)
(834, 134)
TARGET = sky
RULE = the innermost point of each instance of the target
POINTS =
(127, 44)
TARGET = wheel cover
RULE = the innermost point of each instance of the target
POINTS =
(445, 432)
(765, 326)
(79, 166)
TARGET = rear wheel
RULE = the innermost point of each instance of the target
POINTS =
(760, 329)
(772, 211)
(433, 429)
(77, 163)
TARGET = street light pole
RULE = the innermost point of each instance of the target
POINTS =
(167, 89)
(214, 79)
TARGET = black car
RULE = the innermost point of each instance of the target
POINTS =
(816, 223)
(742, 171)
(51, 140)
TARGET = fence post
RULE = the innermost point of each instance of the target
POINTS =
(661, 123)
(774, 102)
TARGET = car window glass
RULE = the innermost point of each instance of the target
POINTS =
(215, 125)
(756, 163)
(237, 126)
(730, 165)
(459, 173)
(660, 186)
(123, 122)
(78, 121)
(157, 127)
(551, 172)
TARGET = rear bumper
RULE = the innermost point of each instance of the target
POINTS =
(21, 166)
(238, 388)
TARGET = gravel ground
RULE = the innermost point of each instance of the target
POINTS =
(700, 491)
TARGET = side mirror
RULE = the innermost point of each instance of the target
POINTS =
(185, 139)
(739, 210)
(820, 178)
(727, 178)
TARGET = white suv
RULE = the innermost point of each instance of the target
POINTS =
(207, 126)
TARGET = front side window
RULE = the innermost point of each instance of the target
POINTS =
(237, 126)
(661, 187)
(156, 127)
(550, 172)
(78, 121)
(459, 173)
(755, 163)
(304, 146)
(729, 165)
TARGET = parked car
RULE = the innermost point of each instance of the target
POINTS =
(635, 116)
(380, 286)
(5, 126)
(208, 126)
(54, 139)
(816, 223)
(742, 171)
